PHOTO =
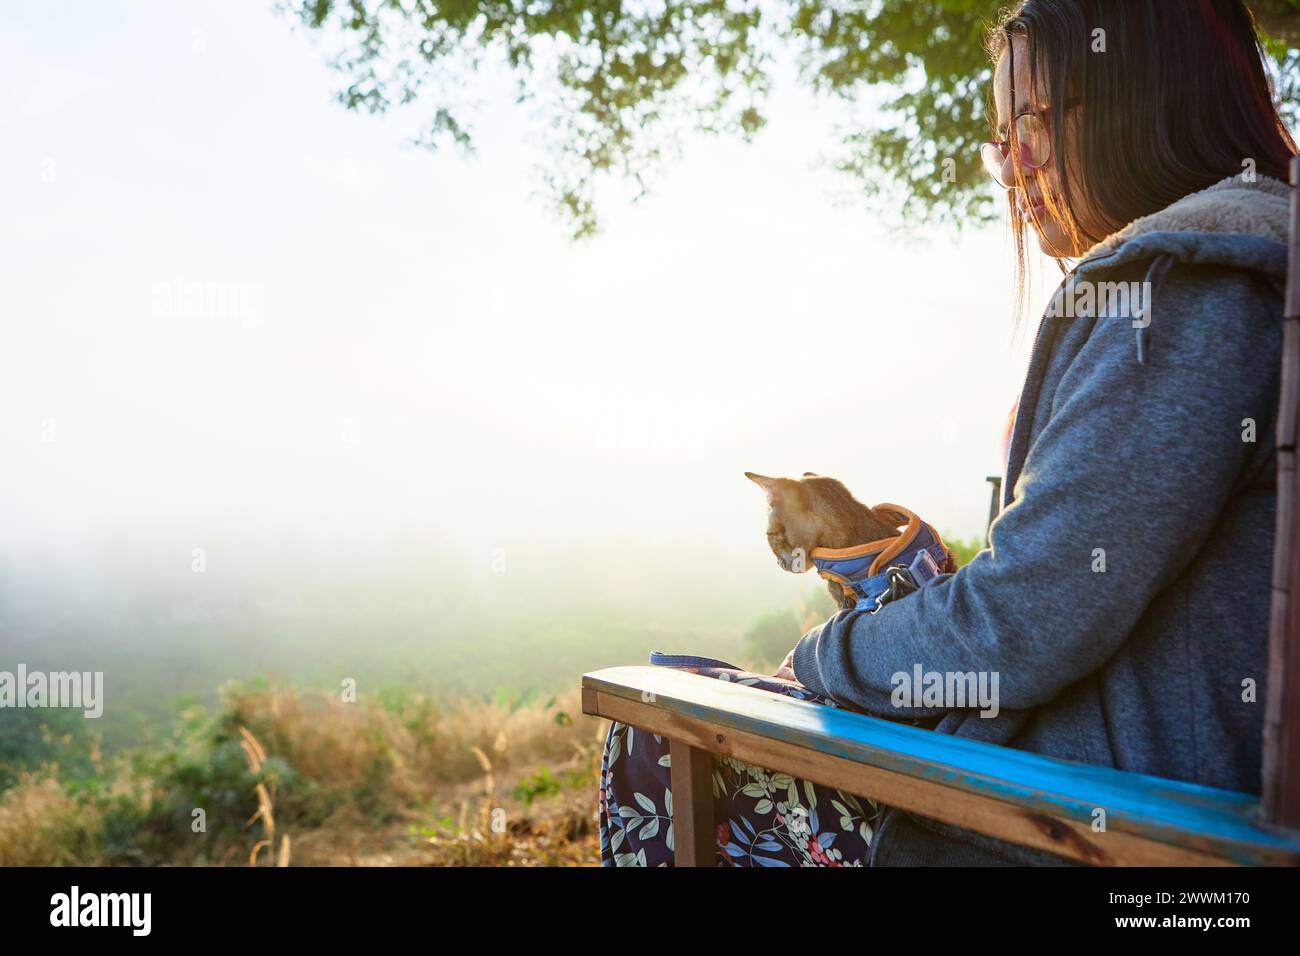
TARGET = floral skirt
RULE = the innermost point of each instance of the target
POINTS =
(763, 818)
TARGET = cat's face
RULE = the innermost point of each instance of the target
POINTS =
(799, 517)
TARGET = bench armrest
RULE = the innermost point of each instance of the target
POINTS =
(1010, 794)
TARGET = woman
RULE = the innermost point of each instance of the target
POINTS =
(1123, 599)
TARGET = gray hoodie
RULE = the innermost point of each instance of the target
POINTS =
(1123, 600)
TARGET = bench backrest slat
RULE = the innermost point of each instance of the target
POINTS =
(1280, 775)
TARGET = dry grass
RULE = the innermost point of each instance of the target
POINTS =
(420, 748)
(40, 825)
(430, 783)
(559, 832)
(255, 754)
(413, 783)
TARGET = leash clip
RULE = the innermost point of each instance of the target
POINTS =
(901, 584)
(906, 579)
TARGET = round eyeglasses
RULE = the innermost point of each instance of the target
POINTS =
(1032, 135)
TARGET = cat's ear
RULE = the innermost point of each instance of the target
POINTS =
(769, 485)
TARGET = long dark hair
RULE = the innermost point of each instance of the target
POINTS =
(1178, 101)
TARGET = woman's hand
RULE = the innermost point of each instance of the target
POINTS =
(786, 670)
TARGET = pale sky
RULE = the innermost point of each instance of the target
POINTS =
(228, 303)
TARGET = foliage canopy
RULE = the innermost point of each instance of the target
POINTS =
(616, 84)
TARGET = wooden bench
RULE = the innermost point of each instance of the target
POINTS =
(1088, 813)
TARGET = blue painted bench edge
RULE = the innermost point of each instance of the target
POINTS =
(1222, 822)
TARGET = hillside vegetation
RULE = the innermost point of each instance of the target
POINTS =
(445, 753)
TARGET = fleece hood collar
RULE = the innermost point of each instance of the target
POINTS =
(1232, 223)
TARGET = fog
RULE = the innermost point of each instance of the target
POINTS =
(248, 329)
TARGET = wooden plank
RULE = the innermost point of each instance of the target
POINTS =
(978, 812)
(1280, 772)
(1009, 794)
(1293, 266)
(694, 843)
